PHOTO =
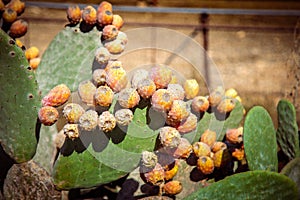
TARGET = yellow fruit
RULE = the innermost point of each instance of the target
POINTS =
(201, 149)
(170, 173)
(34, 63)
(231, 93)
(9, 15)
(234, 136)
(191, 88)
(218, 146)
(32, 52)
(172, 187)
(205, 164)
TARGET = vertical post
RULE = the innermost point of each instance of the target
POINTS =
(204, 23)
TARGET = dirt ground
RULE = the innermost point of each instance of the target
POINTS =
(253, 54)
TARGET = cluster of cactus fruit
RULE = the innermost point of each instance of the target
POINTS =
(114, 99)
(10, 11)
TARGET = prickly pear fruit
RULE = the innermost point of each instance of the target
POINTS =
(89, 15)
(103, 96)
(200, 104)
(89, 120)
(209, 137)
(109, 32)
(102, 55)
(156, 175)
(9, 15)
(201, 149)
(162, 100)
(71, 131)
(72, 112)
(57, 96)
(146, 88)
(32, 52)
(176, 91)
(48, 115)
(191, 88)
(86, 91)
(188, 125)
(161, 76)
(169, 137)
(117, 21)
(74, 14)
(172, 187)
(124, 117)
(205, 164)
(116, 77)
(128, 98)
(107, 121)
(18, 28)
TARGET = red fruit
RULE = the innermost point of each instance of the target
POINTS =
(9, 15)
(109, 32)
(172, 187)
(86, 91)
(74, 14)
(48, 115)
(146, 88)
(200, 104)
(161, 75)
(188, 125)
(209, 137)
(162, 100)
(104, 17)
(128, 98)
(103, 96)
(117, 21)
(57, 96)
(205, 164)
(18, 28)
(89, 15)
(107, 121)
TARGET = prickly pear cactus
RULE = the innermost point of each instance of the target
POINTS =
(260, 140)
(209, 121)
(250, 185)
(19, 102)
(287, 132)
(106, 157)
(292, 170)
(68, 59)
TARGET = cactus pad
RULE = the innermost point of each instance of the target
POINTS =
(68, 59)
(287, 132)
(250, 185)
(19, 102)
(260, 140)
(107, 157)
(292, 170)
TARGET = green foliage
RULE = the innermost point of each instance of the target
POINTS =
(250, 185)
(292, 170)
(19, 102)
(68, 59)
(287, 132)
(260, 140)
(104, 157)
(210, 121)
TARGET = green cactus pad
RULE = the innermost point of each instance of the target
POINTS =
(260, 140)
(209, 121)
(287, 132)
(19, 102)
(107, 157)
(249, 185)
(292, 170)
(68, 59)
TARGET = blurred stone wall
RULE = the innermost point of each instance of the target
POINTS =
(256, 55)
